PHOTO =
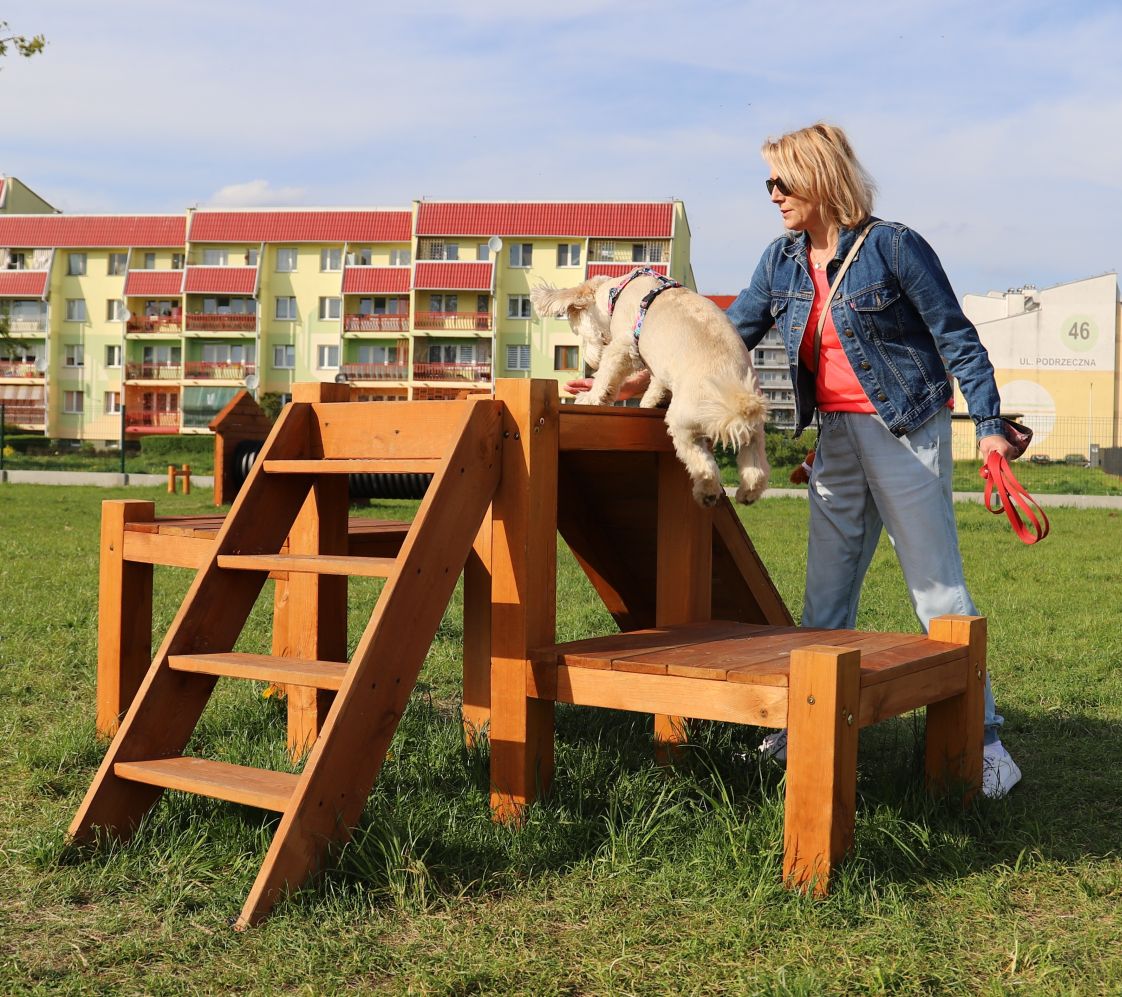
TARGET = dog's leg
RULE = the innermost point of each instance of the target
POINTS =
(690, 446)
(655, 394)
(752, 469)
(615, 364)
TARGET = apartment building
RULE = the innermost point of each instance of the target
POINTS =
(152, 323)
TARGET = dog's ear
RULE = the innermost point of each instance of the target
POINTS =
(560, 302)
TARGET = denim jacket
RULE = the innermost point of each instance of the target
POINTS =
(897, 319)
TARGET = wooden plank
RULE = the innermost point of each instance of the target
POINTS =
(825, 699)
(182, 551)
(313, 564)
(264, 668)
(476, 709)
(124, 615)
(371, 465)
(169, 703)
(591, 428)
(344, 762)
(668, 695)
(603, 652)
(955, 731)
(742, 587)
(220, 780)
(941, 680)
(523, 594)
(388, 430)
(893, 663)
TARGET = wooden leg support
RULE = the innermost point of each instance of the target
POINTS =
(124, 615)
(823, 709)
(955, 726)
(477, 635)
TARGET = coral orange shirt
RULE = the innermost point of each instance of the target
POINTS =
(836, 387)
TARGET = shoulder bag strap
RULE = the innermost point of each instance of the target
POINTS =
(833, 290)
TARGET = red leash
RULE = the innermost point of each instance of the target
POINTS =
(1011, 497)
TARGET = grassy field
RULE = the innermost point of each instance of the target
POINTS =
(628, 880)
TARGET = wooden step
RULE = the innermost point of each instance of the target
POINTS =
(370, 465)
(264, 668)
(221, 780)
(312, 564)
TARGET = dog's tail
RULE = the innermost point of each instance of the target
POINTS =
(731, 411)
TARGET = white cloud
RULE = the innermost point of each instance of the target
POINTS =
(255, 194)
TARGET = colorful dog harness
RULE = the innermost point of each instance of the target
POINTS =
(664, 284)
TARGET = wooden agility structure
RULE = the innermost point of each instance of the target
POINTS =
(704, 633)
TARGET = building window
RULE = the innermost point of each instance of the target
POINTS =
(114, 310)
(565, 357)
(482, 304)
(330, 259)
(363, 256)
(112, 356)
(112, 403)
(227, 353)
(286, 260)
(518, 358)
(568, 254)
(149, 261)
(73, 402)
(251, 256)
(604, 252)
(76, 264)
(74, 355)
(453, 353)
(286, 309)
(177, 261)
(328, 308)
(327, 357)
(518, 306)
(17, 261)
(522, 254)
(646, 252)
(284, 357)
(216, 257)
(401, 257)
(163, 355)
(443, 303)
(482, 252)
(75, 309)
(117, 264)
(377, 354)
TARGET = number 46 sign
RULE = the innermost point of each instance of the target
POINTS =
(1079, 333)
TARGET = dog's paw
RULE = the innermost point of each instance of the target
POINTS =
(753, 483)
(707, 493)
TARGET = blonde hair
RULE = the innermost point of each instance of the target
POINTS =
(818, 164)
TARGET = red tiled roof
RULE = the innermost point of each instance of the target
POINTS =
(153, 283)
(454, 276)
(605, 221)
(376, 280)
(92, 231)
(23, 283)
(722, 300)
(621, 269)
(301, 226)
(220, 280)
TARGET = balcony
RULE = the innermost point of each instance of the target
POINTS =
(452, 371)
(375, 371)
(24, 414)
(376, 323)
(151, 324)
(212, 322)
(211, 370)
(27, 327)
(453, 321)
(9, 368)
(151, 422)
(153, 371)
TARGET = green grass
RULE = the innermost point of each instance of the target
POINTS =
(628, 880)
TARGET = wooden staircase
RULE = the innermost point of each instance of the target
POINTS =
(298, 488)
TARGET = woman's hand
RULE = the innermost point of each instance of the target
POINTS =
(990, 444)
(631, 386)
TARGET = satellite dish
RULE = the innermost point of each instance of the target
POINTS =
(495, 244)
(251, 382)
(340, 378)
(41, 365)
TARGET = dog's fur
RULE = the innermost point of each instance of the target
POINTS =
(694, 354)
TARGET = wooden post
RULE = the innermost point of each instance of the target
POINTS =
(312, 609)
(823, 712)
(185, 472)
(683, 577)
(124, 615)
(171, 479)
(477, 634)
(955, 730)
(523, 593)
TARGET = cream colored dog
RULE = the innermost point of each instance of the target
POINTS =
(694, 354)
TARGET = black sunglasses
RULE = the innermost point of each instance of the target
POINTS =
(772, 184)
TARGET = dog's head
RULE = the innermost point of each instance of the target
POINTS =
(586, 310)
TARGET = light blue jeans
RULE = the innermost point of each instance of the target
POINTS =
(864, 478)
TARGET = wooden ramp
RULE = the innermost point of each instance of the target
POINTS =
(298, 491)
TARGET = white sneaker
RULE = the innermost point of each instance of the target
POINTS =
(775, 746)
(999, 772)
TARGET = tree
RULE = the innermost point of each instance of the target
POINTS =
(27, 47)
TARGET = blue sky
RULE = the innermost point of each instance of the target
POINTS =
(994, 129)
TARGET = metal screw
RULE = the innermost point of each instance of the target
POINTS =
(849, 719)
(810, 699)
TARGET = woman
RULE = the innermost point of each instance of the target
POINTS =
(878, 377)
